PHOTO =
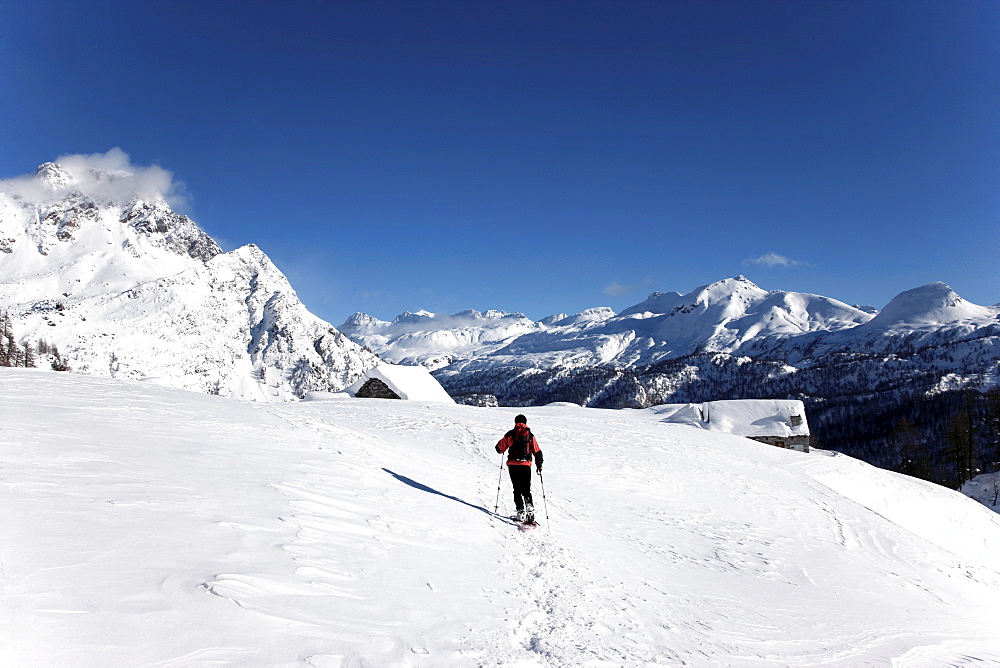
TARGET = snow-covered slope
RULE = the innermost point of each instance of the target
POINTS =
(99, 265)
(929, 305)
(146, 526)
(928, 315)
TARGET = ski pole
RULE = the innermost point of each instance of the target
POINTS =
(544, 500)
(499, 481)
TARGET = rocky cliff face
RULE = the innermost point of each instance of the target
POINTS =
(126, 287)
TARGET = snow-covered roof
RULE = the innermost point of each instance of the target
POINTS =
(680, 413)
(414, 383)
(743, 417)
(757, 417)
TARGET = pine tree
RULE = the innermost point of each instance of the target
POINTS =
(6, 339)
(914, 457)
(991, 439)
(991, 428)
(9, 351)
(14, 353)
(960, 438)
(58, 363)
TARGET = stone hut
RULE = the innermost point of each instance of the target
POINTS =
(395, 381)
(375, 388)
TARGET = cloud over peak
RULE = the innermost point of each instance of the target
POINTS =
(101, 176)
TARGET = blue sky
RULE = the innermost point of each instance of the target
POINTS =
(540, 156)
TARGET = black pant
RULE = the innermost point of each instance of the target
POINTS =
(520, 477)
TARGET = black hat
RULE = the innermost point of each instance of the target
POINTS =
(520, 419)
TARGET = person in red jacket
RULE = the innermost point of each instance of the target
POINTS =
(521, 447)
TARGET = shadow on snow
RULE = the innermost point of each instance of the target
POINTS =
(430, 490)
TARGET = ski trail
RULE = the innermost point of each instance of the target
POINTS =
(564, 614)
(554, 610)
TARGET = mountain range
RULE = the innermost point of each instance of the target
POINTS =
(732, 317)
(124, 286)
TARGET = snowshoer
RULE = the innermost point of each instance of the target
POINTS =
(521, 447)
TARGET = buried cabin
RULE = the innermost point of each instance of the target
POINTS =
(778, 422)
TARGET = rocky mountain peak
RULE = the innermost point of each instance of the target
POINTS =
(54, 176)
(97, 262)
(412, 318)
(169, 230)
(360, 320)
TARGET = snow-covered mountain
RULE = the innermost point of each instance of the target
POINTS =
(732, 316)
(950, 333)
(437, 341)
(143, 526)
(97, 263)
(720, 317)
(929, 309)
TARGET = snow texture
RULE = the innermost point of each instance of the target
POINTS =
(143, 525)
(929, 305)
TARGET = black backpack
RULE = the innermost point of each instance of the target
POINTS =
(520, 445)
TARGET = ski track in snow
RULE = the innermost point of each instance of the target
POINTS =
(149, 526)
(555, 617)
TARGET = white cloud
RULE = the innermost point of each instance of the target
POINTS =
(772, 260)
(104, 176)
(616, 289)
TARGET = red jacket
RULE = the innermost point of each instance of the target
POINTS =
(508, 440)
